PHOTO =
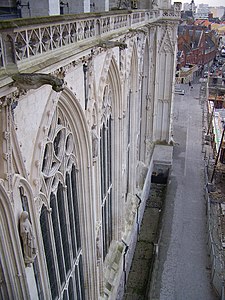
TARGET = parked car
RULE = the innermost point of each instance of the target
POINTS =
(179, 91)
(205, 74)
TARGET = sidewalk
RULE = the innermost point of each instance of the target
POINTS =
(183, 266)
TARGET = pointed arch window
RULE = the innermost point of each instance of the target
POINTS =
(144, 98)
(59, 217)
(128, 143)
(106, 170)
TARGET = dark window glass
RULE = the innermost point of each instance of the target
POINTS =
(48, 252)
(222, 156)
(78, 286)
(103, 233)
(63, 226)
(71, 215)
(110, 217)
(57, 238)
(71, 290)
(81, 278)
(24, 200)
(75, 206)
(102, 163)
(128, 143)
(106, 184)
(56, 143)
(65, 297)
(37, 279)
(45, 158)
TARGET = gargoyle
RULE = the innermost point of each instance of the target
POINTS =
(28, 81)
(142, 30)
(112, 44)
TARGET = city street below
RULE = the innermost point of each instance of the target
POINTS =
(183, 271)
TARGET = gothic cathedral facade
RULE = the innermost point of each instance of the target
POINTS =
(83, 102)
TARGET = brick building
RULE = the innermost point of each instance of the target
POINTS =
(198, 47)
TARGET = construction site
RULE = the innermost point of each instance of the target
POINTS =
(212, 98)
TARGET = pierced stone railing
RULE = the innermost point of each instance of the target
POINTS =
(22, 40)
(169, 13)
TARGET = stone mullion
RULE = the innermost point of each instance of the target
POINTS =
(6, 168)
(164, 124)
(120, 200)
(174, 41)
(150, 97)
(132, 158)
(156, 82)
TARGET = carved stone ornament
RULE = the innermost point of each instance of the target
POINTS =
(98, 249)
(143, 30)
(112, 44)
(27, 81)
(95, 141)
(154, 4)
(28, 239)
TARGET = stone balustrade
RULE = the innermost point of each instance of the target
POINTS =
(25, 39)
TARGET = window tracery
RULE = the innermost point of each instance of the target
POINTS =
(61, 228)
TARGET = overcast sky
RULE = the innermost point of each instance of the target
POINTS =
(209, 2)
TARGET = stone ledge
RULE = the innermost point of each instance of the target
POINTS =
(163, 155)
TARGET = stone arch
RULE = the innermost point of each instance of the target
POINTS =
(144, 43)
(144, 101)
(132, 113)
(153, 82)
(76, 119)
(165, 65)
(84, 158)
(166, 44)
(104, 75)
(110, 74)
(11, 260)
(134, 66)
(40, 140)
(19, 182)
(132, 49)
(110, 125)
(114, 78)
